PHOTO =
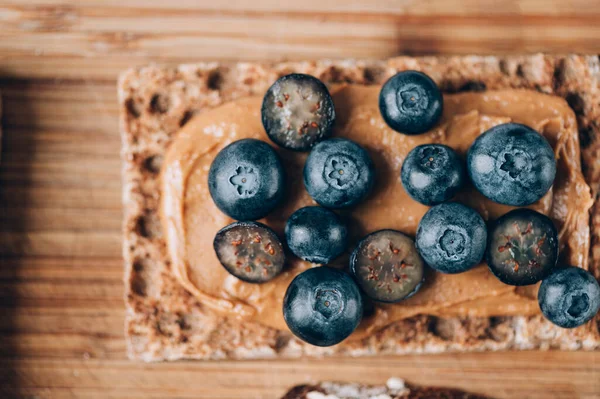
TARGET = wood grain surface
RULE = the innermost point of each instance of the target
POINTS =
(61, 295)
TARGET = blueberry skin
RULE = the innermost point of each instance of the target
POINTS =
(451, 238)
(338, 173)
(569, 297)
(297, 112)
(316, 234)
(322, 306)
(410, 102)
(246, 180)
(512, 164)
(432, 173)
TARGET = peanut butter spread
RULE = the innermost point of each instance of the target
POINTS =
(191, 219)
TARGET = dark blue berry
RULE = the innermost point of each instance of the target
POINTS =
(522, 247)
(451, 238)
(432, 173)
(298, 112)
(512, 164)
(250, 251)
(246, 180)
(322, 306)
(387, 266)
(410, 102)
(316, 234)
(338, 173)
(569, 297)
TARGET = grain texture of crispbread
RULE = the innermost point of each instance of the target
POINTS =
(394, 389)
(164, 322)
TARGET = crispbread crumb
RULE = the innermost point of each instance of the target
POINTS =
(164, 322)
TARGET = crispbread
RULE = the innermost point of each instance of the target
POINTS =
(164, 322)
(394, 389)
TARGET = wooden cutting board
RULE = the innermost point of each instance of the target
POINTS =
(61, 295)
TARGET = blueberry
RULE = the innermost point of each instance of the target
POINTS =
(451, 238)
(569, 297)
(322, 306)
(250, 251)
(522, 247)
(432, 173)
(410, 102)
(298, 112)
(338, 173)
(512, 164)
(246, 180)
(316, 234)
(387, 266)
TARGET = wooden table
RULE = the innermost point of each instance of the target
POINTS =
(61, 295)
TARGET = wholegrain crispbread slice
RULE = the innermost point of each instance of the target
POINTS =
(395, 388)
(165, 322)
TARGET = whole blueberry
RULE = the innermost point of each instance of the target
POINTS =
(451, 238)
(338, 173)
(410, 102)
(522, 247)
(322, 306)
(316, 234)
(298, 112)
(512, 164)
(569, 297)
(246, 180)
(432, 173)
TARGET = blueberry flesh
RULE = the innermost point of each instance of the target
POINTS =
(322, 306)
(338, 173)
(432, 173)
(569, 297)
(451, 238)
(250, 251)
(246, 180)
(522, 247)
(410, 102)
(387, 266)
(316, 234)
(298, 112)
(512, 164)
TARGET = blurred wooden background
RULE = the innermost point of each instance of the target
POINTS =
(61, 305)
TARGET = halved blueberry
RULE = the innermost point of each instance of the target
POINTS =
(410, 102)
(338, 173)
(246, 180)
(512, 164)
(432, 173)
(451, 238)
(522, 247)
(316, 234)
(569, 297)
(387, 266)
(298, 112)
(250, 251)
(322, 306)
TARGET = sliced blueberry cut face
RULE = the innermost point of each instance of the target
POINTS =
(338, 173)
(522, 247)
(322, 306)
(432, 173)
(451, 238)
(410, 102)
(298, 112)
(250, 251)
(387, 266)
(316, 234)
(569, 297)
(512, 164)
(246, 180)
